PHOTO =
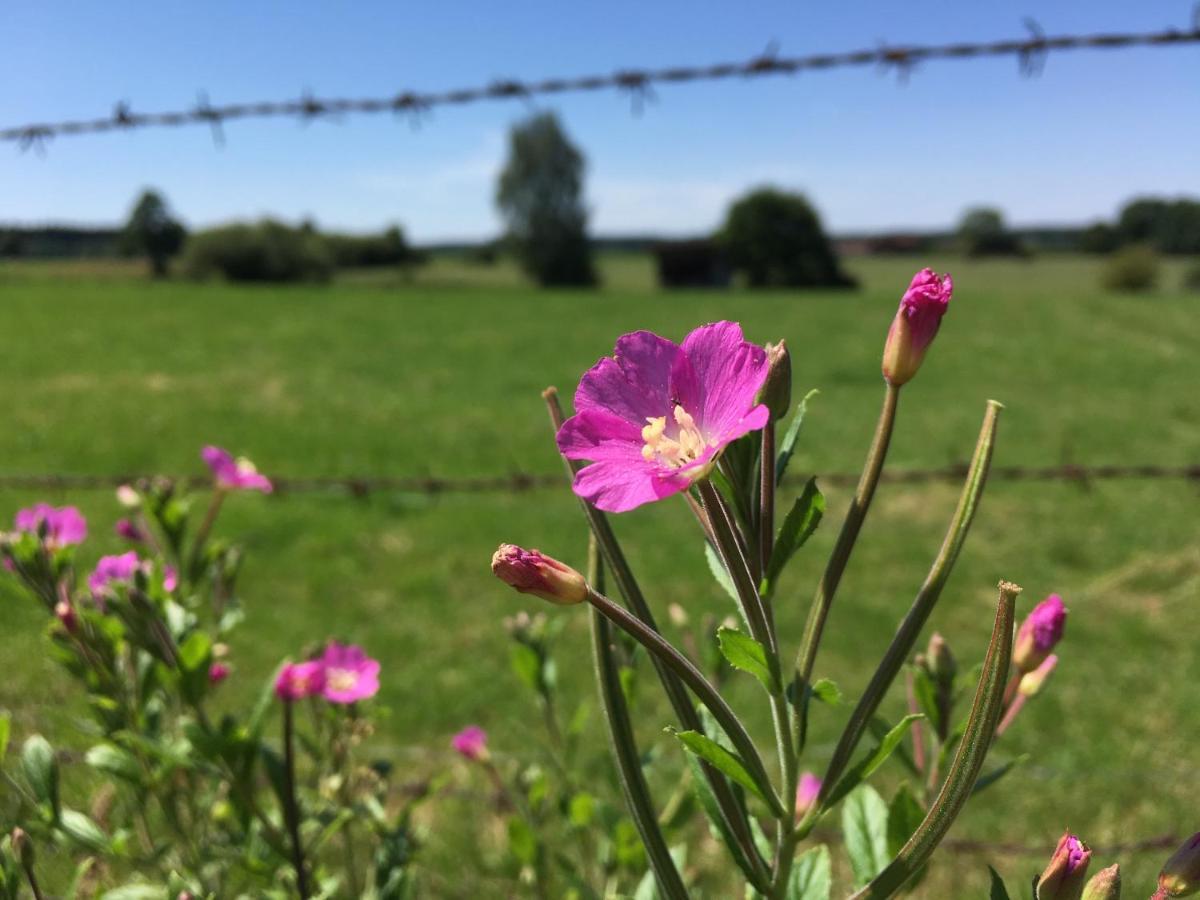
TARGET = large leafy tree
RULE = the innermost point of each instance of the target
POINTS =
(153, 231)
(540, 195)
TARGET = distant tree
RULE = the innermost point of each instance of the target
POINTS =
(1135, 268)
(540, 195)
(775, 238)
(264, 251)
(153, 232)
(1170, 226)
(1141, 220)
(1099, 238)
(694, 263)
(982, 232)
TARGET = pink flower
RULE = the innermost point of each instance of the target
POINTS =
(128, 529)
(217, 673)
(471, 742)
(111, 569)
(170, 579)
(350, 675)
(64, 526)
(916, 324)
(653, 418)
(234, 474)
(532, 572)
(806, 792)
(299, 680)
(1039, 633)
(1066, 873)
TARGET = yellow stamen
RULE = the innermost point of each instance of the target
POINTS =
(685, 446)
(340, 679)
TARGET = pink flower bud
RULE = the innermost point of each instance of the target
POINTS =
(65, 613)
(916, 324)
(532, 572)
(806, 793)
(1039, 634)
(299, 680)
(1180, 875)
(1065, 874)
(1105, 885)
(471, 743)
(217, 673)
(128, 530)
(1031, 682)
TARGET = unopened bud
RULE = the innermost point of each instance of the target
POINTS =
(807, 791)
(940, 661)
(65, 613)
(1032, 682)
(532, 572)
(128, 497)
(776, 391)
(1105, 885)
(1066, 873)
(915, 325)
(1039, 634)
(1180, 875)
(678, 615)
(128, 530)
(22, 846)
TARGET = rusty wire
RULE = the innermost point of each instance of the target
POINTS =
(1030, 52)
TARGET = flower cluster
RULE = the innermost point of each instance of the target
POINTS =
(121, 569)
(343, 674)
(56, 526)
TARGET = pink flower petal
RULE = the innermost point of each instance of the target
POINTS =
(633, 383)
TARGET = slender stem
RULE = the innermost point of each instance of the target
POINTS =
(732, 809)
(1010, 714)
(31, 877)
(827, 588)
(766, 498)
(922, 606)
(918, 732)
(694, 679)
(210, 518)
(290, 806)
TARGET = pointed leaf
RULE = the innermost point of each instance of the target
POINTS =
(987, 779)
(827, 692)
(743, 652)
(998, 890)
(904, 815)
(812, 878)
(41, 772)
(788, 445)
(716, 755)
(864, 825)
(83, 831)
(801, 521)
(719, 572)
(112, 760)
(872, 760)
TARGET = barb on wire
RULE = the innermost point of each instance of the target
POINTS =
(1031, 53)
(521, 482)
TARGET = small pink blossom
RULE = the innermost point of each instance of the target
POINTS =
(533, 572)
(471, 743)
(217, 673)
(807, 792)
(299, 680)
(1066, 873)
(128, 530)
(65, 613)
(64, 525)
(234, 474)
(916, 325)
(110, 569)
(1039, 633)
(350, 675)
(170, 579)
(653, 418)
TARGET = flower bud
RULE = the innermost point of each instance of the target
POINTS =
(128, 530)
(939, 660)
(217, 673)
(916, 324)
(1065, 874)
(1180, 875)
(22, 846)
(1031, 682)
(128, 497)
(65, 613)
(1039, 634)
(471, 743)
(807, 791)
(532, 572)
(1105, 885)
(776, 391)
(678, 615)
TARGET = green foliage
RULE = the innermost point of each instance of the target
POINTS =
(865, 829)
(1191, 278)
(153, 232)
(982, 232)
(721, 758)
(1099, 238)
(1133, 269)
(389, 248)
(743, 652)
(540, 195)
(1169, 226)
(266, 251)
(812, 878)
(775, 239)
(798, 526)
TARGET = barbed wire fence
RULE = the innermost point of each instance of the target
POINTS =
(1031, 53)
(524, 482)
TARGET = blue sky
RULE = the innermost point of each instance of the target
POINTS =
(1068, 146)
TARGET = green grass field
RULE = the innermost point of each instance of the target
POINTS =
(104, 372)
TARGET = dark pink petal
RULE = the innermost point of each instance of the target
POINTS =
(633, 384)
(729, 373)
(597, 434)
(619, 486)
(216, 459)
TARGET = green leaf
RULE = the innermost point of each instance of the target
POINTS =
(743, 652)
(526, 664)
(521, 842)
(719, 572)
(998, 890)
(873, 760)
(5, 731)
(41, 772)
(83, 831)
(864, 825)
(925, 692)
(987, 779)
(717, 824)
(112, 760)
(827, 692)
(879, 727)
(788, 445)
(801, 521)
(716, 755)
(195, 652)
(136, 892)
(904, 815)
(812, 878)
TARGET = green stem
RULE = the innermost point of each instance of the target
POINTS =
(968, 761)
(827, 588)
(210, 518)
(624, 745)
(694, 679)
(927, 597)
(766, 499)
(732, 810)
(291, 808)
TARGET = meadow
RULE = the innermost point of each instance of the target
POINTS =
(106, 372)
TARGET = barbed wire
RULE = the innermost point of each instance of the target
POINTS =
(1030, 52)
(522, 482)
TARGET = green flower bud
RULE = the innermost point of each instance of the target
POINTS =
(1104, 885)
(1180, 875)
